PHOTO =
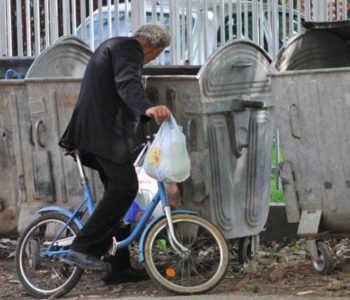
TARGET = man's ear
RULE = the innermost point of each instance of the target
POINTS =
(157, 50)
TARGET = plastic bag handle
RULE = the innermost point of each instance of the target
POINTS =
(172, 122)
(142, 154)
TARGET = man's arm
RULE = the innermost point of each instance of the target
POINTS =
(127, 69)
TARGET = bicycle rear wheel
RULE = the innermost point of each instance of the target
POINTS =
(198, 272)
(41, 275)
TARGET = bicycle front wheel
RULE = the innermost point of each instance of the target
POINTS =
(43, 275)
(196, 272)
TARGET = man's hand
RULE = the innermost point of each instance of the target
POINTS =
(160, 113)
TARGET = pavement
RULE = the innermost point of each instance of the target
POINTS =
(231, 297)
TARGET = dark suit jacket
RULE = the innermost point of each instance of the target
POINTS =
(111, 101)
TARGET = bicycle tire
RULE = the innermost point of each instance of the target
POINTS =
(25, 247)
(191, 231)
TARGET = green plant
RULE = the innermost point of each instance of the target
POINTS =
(276, 195)
(161, 245)
(298, 246)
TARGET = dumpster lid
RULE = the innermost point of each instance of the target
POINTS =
(340, 28)
(237, 70)
(170, 70)
(67, 57)
(313, 49)
(71, 38)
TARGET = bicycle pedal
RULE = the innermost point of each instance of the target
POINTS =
(113, 249)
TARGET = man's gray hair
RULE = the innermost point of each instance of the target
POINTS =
(154, 34)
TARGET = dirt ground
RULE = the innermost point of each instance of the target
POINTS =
(278, 268)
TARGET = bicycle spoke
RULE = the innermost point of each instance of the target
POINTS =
(40, 274)
(186, 271)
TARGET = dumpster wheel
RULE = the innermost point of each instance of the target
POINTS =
(245, 250)
(325, 262)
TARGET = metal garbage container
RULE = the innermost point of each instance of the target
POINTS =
(310, 80)
(226, 110)
(41, 106)
(13, 108)
(14, 117)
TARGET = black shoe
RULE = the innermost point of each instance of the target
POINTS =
(85, 261)
(129, 275)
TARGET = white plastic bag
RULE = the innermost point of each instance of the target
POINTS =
(148, 187)
(167, 159)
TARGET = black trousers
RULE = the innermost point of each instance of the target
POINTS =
(120, 185)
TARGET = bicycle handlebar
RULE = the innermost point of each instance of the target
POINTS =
(148, 139)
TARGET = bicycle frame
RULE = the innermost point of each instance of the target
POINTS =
(88, 204)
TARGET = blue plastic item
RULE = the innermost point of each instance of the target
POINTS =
(10, 73)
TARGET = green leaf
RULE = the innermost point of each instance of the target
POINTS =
(161, 245)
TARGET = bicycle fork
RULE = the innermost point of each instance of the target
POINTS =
(175, 244)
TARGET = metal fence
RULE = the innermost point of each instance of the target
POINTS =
(198, 27)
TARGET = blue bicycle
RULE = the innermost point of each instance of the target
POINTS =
(181, 251)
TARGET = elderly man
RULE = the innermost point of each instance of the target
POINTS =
(103, 126)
